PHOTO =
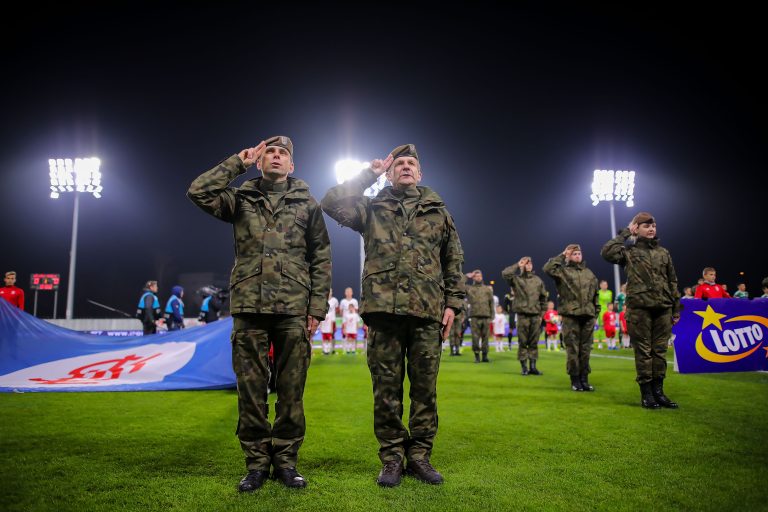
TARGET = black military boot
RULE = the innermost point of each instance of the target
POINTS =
(477, 357)
(576, 383)
(422, 470)
(485, 357)
(289, 477)
(253, 480)
(657, 386)
(390, 473)
(525, 367)
(585, 382)
(533, 370)
(646, 397)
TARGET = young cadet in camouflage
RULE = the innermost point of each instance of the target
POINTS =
(530, 304)
(577, 288)
(481, 311)
(279, 290)
(457, 331)
(412, 287)
(653, 303)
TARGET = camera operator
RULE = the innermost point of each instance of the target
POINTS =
(213, 299)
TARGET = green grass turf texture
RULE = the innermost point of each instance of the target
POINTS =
(505, 442)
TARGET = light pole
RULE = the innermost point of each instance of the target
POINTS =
(80, 175)
(348, 169)
(612, 186)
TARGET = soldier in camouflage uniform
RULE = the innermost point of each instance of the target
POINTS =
(653, 303)
(279, 290)
(412, 288)
(530, 304)
(577, 288)
(481, 311)
(509, 309)
(457, 331)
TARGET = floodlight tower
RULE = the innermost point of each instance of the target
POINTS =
(77, 176)
(612, 186)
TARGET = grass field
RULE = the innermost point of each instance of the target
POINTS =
(506, 442)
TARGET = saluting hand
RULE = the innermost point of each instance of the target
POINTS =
(522, 262)
(250, 156)
(632, 228)
(379, 166)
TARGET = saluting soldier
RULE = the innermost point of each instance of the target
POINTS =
(653, 303)
(411, 290)
(279, 292)
(481, 312)
(577, 287)
(530, 304)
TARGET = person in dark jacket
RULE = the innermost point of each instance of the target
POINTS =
(148, 310)
(174, 309)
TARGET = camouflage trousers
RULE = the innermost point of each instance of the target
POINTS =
(457, 333)
(398, 345)
(649, 332)
(577, 337)
(528, 332)
(265, 445)
(479, 327)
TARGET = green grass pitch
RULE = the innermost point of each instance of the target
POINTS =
(506, 442)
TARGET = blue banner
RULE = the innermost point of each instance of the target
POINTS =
(38, 356)
(722, 335)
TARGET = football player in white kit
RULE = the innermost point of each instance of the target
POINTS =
(328, 326)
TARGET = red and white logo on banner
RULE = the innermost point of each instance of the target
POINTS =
(139, 365)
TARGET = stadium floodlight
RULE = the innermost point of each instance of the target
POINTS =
(612, 186)
(349, 168)
(80, 175)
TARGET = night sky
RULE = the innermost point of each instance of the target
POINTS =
(510, 111)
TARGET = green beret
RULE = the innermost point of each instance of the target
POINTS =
(282, 142)
(405, 150)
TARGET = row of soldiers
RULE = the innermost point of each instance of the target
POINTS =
(652, 308)
(412, 287)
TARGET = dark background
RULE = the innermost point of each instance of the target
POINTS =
(511, 111)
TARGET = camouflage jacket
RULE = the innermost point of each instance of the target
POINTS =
(282, 257)
(480, 301)
(530, 294)
(576, 286)
(651, 278)
(412, 262)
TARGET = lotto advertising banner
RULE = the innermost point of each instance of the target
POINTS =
(38, 356)
(722, 335)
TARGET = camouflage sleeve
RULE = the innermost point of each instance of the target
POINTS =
(319, 259)
(673, 286)
(451, 260)
(490, 304)
(596, 297)
(543, 297)
(346, 203)
(554, 267)
(613, 250)
(509, 274)
(210, 190)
